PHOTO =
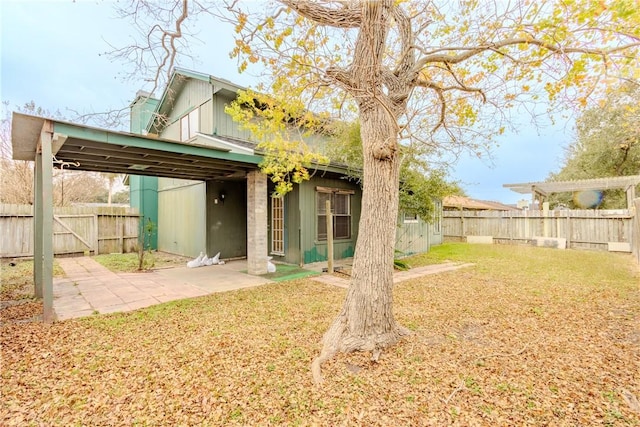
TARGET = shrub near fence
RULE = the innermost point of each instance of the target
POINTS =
(583, 229)
(80, 229)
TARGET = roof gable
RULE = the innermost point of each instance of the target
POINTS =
(177, 82)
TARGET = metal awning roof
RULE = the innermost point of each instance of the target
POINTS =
(623, 182)
(92, 149)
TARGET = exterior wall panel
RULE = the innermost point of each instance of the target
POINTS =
(314, 250)
(194, 94)
(292, 253)
(223, 123)
(181, 217)
(227, 219)
(206, 118)
(412, 237)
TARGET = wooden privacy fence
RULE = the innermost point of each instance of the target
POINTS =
(635, 245)
(583, 229)
(80, 229)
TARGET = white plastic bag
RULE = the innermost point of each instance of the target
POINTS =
(271, 267)
(196, 262)
(216, 259)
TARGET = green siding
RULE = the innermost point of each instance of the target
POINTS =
(227, 220)
(143, 194)
(213, 119)
(223, 124)
(291, 227)
(181, 220)
(193, 94)
(141, 111)
(143, 190)
(312, 249)
(412, 237)
(206, 118)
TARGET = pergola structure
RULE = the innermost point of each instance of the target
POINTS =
(50, 142)
(542, 190)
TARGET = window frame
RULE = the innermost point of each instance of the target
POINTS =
(277, 225)
(190, 125)
(321, 217)
(409, 218)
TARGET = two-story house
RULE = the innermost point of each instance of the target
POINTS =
(211, 216)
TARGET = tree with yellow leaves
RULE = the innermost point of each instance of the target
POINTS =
(434, 73)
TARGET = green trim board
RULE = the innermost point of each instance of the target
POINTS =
(138, 141)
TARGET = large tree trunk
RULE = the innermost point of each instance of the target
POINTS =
(366, 322)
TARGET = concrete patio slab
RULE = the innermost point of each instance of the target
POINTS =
(90, 288)
(399, 276)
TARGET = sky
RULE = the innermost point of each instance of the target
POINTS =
(53, 54)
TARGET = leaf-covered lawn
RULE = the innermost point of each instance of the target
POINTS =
(17, 300)
(527, 336)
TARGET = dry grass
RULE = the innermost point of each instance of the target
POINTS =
(129, 262)
(528, 336)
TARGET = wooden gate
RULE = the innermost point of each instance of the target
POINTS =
(75, 233)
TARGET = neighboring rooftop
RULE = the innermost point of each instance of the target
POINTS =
(467, 203)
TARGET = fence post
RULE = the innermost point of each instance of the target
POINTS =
(122, 224)
(545, 220)
(96, 239)
(635, 229)
(510, 226)
(568, 229)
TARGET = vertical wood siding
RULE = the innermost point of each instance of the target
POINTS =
(194, 94)
(181, 216)
(227, 219)
(80, 229)
(314, 250)
(223, 124)
(412, 237)
(635, 245)
(292, 254)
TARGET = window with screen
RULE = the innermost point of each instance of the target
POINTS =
(341, 209)
(410, 218)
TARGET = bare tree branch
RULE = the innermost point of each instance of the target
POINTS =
(436, 56)
(347, 15)
(168, 42)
